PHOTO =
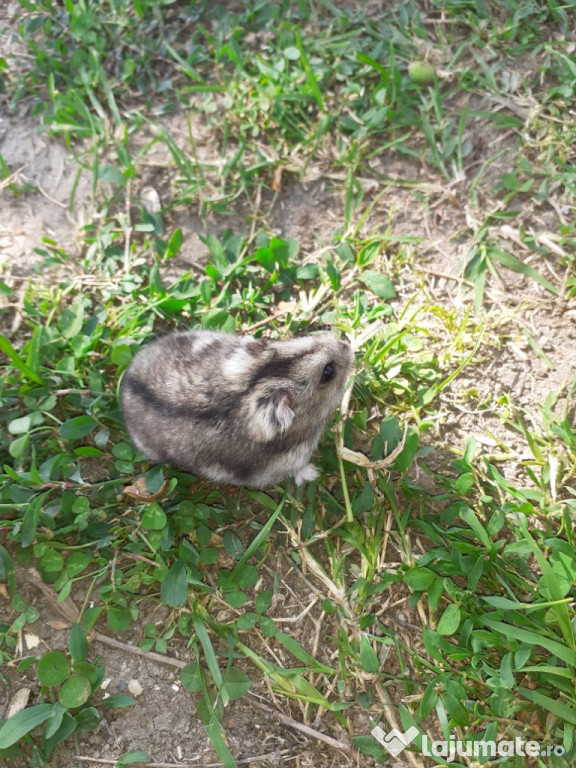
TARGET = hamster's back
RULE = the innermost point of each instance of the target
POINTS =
(231, 408)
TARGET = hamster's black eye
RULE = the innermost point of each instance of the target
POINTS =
(328, 372)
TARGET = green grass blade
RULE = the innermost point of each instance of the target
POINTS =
(312, 82)
(512, 262)
(209, 653)
(533, 638)
(216, 736)
(261, 537)
(562, 711)
(24, 369)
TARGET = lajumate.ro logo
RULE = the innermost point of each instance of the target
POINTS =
(395, 742)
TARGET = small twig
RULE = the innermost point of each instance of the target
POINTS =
(150, 655)
(270, 756)
(14, 177)
(71, 391)
(447, 276)
(301, 615)
(361, 460)
(312, 732)
(68, 610)
(48, 196)
(267, 320)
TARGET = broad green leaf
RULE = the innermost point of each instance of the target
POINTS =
(368, 658)
(123, 451)
(31, 519)
(131, 758)
(379, 284)
(469, 516)
(464, 483)
(90, 671)
(191, 677)
(55, 720)
(111, 174)
(52, 561)
(154, 519)
(246, 576)
(77, 427)
(450, 620)
(22, 723)
(88, 450)
(247, 621)
(419, 579)
(263, 600)
(174, 244)
(7, 570)
(154, 479)
(78, 644)
(236, 598)
(53, 668)
(118, 701)
(20, 426)
(236, 683)
(72, 320)
(87, 719)
(119, 617)
(174, 588)
(18, 446)
(456, 710)
(75, 691)
(292, 53)
(367, 745)
(67, 727)
(76, 563)
(121, 355)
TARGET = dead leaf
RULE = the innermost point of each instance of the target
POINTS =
(150, 200)
(18, 702)
(32, 641)
(276, 182)
(139, 491)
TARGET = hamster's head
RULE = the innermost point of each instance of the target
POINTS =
(297, 384)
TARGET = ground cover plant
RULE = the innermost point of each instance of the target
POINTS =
(404, 176)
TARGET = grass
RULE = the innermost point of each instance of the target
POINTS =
(476, 546)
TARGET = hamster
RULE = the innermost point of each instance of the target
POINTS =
(235, 409)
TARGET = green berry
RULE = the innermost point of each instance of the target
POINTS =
(421, 72)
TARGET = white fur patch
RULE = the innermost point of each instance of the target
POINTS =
(284, 414)
(306, 474)
(237, 366)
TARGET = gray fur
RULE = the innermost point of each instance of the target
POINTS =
(234, 409)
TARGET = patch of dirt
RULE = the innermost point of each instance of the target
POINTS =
(47, 194)
(261, 731)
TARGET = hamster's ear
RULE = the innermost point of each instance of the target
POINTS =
(274, 414)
